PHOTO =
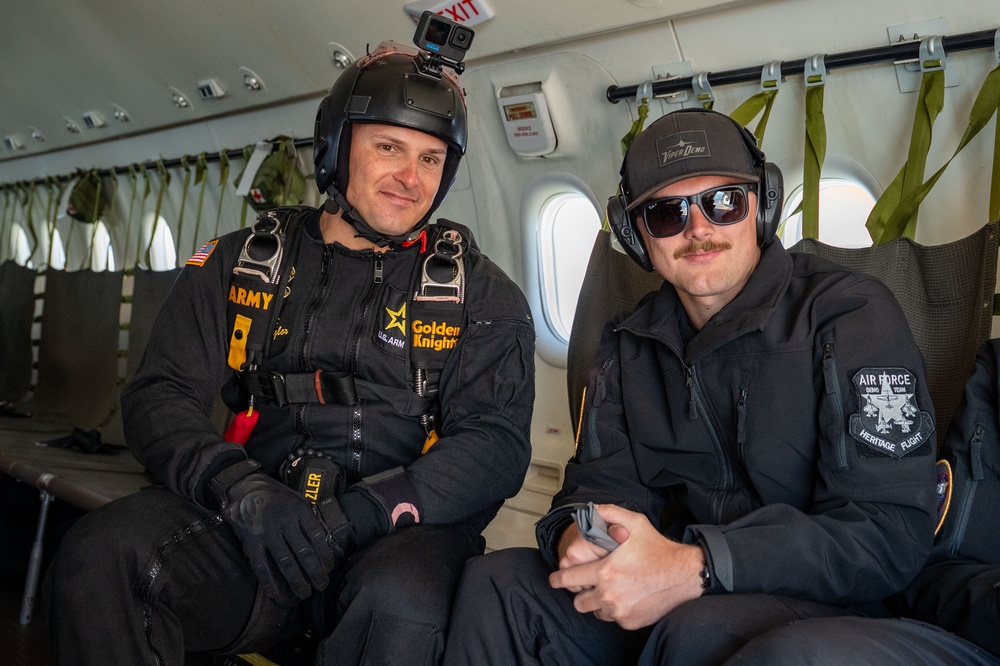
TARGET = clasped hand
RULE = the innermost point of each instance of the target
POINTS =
(645, 578)
(282, 536)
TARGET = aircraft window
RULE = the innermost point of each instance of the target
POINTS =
(162, 253)
(561, 221)
(22, 246)
(102, 256)
(844, 206)
(567, 229)
(57, 257)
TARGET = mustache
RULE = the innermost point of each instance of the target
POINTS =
(703, 246)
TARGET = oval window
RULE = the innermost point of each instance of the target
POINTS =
(561, 219)
(844, 206)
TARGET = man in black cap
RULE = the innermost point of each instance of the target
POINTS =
(757, 435)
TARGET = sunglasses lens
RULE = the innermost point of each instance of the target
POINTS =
(726, 205)
(665, 217)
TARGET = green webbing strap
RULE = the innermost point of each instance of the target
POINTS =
(200, 169)
(995, 187)
(4, 226)
(111, 208)
(930, 101)
(986, 105)
(164, 183)
(184, 194)
(223, 181)
(643, 113)
(247, 152)
(94, 215)
(51, 214)
(288, 145)
(642, 109)
(815, 153)
(131, 208)
(146, 188)
(28, 201)
(749, 109)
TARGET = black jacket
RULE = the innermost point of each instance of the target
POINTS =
(336, 317)
(739, 437)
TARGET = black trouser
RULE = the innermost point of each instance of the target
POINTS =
(151, 576)
(506, 613)
(962, 596)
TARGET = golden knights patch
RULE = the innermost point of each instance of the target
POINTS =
(889, 420)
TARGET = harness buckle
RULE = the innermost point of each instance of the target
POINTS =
(447, 250)
(263, 249)
(279, 392)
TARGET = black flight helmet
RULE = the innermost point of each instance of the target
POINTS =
(387, 87)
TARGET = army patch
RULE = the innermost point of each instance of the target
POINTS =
(889, 420)
(391, 324)
(204, 252)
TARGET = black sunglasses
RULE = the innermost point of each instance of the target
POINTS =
(724, 205)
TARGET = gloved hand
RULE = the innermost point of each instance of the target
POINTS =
(283, 537)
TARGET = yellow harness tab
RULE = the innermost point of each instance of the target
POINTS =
(238, 343)
(432, 437)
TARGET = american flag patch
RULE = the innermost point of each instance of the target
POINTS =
(201, 256)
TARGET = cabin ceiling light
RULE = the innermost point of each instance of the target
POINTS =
(71, 126)
(36, 134)
(121, 115)
(339, 56)
(180, 99)
(252, 82)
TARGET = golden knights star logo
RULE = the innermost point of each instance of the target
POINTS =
(397, 319)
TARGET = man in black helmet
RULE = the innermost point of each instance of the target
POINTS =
(757, 436)
(384, 413)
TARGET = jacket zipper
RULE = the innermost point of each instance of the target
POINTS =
(741, 417)
(600, 391)
(975, 461)
(698, 400)
(309, 320)
(352, 365)
(832, 385)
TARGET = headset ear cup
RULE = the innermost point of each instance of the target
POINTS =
(770, 198)
(623, 226)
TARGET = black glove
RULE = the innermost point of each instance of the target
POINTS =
(284, 539)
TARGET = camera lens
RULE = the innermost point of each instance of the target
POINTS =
(461, 38)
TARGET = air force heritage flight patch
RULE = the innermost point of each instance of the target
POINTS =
(889, 420)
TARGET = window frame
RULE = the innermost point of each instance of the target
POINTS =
(538, 195)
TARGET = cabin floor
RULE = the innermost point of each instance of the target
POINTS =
(23, 645)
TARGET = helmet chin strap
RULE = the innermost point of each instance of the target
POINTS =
(337, 204)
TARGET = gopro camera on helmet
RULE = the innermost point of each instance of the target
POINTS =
(443, 41)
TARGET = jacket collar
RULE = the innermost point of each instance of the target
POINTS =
(656, 314)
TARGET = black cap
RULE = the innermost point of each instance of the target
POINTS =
(687, 143)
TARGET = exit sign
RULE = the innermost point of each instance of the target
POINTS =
(466, 12)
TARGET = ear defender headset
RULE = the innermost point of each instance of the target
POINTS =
(770, 194)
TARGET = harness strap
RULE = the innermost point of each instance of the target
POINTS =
(324, 387)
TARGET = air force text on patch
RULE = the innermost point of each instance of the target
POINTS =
(889, 420)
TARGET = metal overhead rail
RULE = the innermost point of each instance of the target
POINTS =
(152, 165)
(904, 51)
